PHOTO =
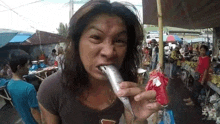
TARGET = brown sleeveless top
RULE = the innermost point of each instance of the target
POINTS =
(57, 100)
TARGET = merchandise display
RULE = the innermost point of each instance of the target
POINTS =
(210, 104)
(191, 64)
(215, 79)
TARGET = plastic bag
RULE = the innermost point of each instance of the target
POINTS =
(167, 118)
(158, 82)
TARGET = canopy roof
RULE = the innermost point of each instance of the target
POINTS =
(43, 38)
(190, 14)
(12, 36)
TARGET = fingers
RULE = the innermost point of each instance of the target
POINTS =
(127, 84)
(151, 94)
(154, 106)
(129, 91)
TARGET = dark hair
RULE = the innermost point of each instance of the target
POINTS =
(205, 47)
(74, 74)
(153, 41)
(17, 57)
(54, 51)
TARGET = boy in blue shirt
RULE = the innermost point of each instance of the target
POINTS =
(23, 94)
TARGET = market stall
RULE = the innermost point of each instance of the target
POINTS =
(210, 99)
(40, 70)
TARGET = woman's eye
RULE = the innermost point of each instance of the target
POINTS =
(121, 42)
(96, 37)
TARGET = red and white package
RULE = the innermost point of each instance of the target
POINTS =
(158, 82)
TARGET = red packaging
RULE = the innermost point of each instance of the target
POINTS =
(158, 82)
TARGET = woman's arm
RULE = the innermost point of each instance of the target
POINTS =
(36, 114)
(204, 76)
(47, 117)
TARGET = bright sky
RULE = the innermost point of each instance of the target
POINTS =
(44, 15)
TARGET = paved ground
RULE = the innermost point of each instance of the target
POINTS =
(182, 114)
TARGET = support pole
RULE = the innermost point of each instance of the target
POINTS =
(160, 25)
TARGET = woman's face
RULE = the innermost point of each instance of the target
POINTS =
(202, 52)
(103, 42)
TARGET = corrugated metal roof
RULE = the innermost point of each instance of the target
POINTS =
(188, 14)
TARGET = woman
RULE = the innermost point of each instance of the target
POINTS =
(100, 33)
(202, 68)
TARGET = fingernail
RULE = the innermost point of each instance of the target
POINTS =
(137, 98)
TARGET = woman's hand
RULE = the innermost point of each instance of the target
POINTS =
(143, 102)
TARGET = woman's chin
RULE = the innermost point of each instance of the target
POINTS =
(102, 77)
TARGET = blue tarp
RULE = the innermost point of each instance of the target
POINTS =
(5, 38)
(13, 37)
(20, 37)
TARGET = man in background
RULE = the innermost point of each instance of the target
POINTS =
(52, 58)
(23, 94)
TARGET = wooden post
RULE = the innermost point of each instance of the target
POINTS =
(161, 48)
(160, 25)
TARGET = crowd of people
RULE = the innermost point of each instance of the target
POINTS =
(179, 55)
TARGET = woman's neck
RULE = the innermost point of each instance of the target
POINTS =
(98, 85)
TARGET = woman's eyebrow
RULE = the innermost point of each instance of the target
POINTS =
(122, 32)
(96, 28)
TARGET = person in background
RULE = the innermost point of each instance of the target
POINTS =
(191, 49)
(52, 58)
(202, 68)
(6, 72)
(42, 56)
(175, 55)
(154, 57)
(186, 50)
(23, 94)
(182, 50)
(60, 58)
(100, 33)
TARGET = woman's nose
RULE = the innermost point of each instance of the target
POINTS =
(108, 50)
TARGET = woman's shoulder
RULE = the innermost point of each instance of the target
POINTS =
(51, 83)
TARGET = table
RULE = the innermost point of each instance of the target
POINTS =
(43, 73)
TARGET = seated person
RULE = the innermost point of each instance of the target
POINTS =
(23, 94)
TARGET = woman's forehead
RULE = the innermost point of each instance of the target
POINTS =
(107, 19)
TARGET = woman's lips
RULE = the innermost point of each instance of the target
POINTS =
(98, 70)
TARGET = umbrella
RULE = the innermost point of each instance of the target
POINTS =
(173, 38)
(13, 37)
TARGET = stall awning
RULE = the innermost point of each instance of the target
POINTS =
(20, 37)
(189, 14)
(5, 38)
(13, 37)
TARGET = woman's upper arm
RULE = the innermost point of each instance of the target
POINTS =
(47, 117)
